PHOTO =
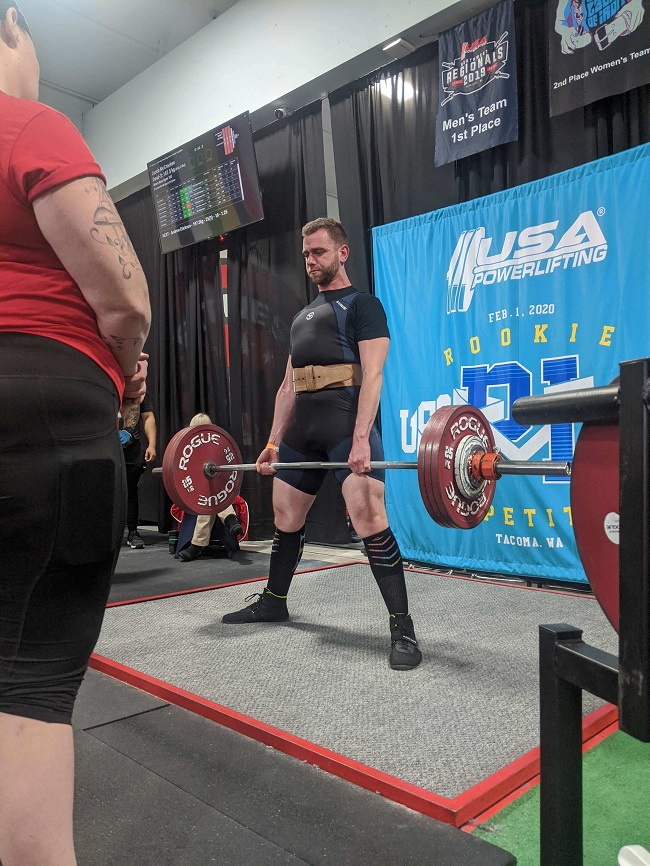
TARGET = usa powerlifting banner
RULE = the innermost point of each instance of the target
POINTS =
(596, 48)
(536, 290)
(478, 85)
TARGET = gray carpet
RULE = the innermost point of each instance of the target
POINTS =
(469, 710)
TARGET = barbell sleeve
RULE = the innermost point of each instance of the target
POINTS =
(540, 467)
(568, 407)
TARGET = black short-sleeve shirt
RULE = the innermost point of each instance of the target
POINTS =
(329, 330)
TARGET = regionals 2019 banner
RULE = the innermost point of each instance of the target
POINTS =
(535, 290)
(478, 85)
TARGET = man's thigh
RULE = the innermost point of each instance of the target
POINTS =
(364, 499)
(290, 506)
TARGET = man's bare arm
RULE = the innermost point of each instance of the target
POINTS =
(373, 355)
(285, 401)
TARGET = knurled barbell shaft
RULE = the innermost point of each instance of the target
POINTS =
(503, 467)
(212, 468)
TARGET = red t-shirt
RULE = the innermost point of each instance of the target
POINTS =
(41, 149)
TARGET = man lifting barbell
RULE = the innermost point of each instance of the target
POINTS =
(325, 409)
(328, 411)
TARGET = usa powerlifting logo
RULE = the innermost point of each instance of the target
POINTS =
(532, 252)
(478, 65)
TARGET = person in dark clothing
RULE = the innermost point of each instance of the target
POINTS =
(229, 529)
(325, 410)
(137, 420)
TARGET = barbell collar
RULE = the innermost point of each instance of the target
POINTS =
(568, 407)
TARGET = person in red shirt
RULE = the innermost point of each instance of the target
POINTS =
(74, 315)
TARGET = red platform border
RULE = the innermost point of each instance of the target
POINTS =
(477, 803)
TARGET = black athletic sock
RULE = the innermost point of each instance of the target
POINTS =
(385, 561)
(286, 553)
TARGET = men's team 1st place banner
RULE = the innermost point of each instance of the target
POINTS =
(536, 290)
(478, 85)
(597, 48)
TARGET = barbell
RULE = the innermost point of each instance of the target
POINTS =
(458, 467)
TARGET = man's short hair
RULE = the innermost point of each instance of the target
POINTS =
(333, 228)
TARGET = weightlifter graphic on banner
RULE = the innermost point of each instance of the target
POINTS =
(578, 22)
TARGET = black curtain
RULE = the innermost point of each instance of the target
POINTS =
(267, 286)
(384, 141)
(186, 344)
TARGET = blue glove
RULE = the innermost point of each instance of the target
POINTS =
(125, 437)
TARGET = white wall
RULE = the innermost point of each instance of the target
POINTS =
(253, 54)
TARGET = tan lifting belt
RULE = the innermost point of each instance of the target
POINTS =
(313, 378)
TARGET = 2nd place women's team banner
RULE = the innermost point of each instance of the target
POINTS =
(536, 290)
(597, 48)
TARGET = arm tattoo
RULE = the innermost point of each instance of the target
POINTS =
(118, 343)
(130, 415)
(109, 229)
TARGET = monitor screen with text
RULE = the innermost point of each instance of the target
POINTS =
(207, 187)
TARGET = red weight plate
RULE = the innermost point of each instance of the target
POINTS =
(183, 469)
(427, 475)
(170, 476)
(451, 436)
(594, 508)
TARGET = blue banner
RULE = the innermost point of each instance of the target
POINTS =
(536, 290)
(478, 85)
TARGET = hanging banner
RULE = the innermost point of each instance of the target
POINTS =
(596, 48)
(536, 290)
(478, 85)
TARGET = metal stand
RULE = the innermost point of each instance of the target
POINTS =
(568, 665)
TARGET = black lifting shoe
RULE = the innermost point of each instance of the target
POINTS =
(188, 554)
(265, 608)
(233, 526)
(404, 651)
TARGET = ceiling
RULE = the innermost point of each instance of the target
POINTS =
(113, 42)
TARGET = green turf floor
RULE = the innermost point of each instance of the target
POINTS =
(616, 798)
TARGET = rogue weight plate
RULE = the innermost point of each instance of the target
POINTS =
(595, 511)
(183, 469)
(451, 438)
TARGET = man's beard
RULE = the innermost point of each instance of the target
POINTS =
(325, 276)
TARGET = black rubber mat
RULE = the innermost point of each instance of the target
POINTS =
(167, 787)
(154, 571)
(102, 700)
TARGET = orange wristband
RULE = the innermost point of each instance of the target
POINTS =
(272, 446)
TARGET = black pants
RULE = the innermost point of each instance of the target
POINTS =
(62, 511)
(134, 471)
